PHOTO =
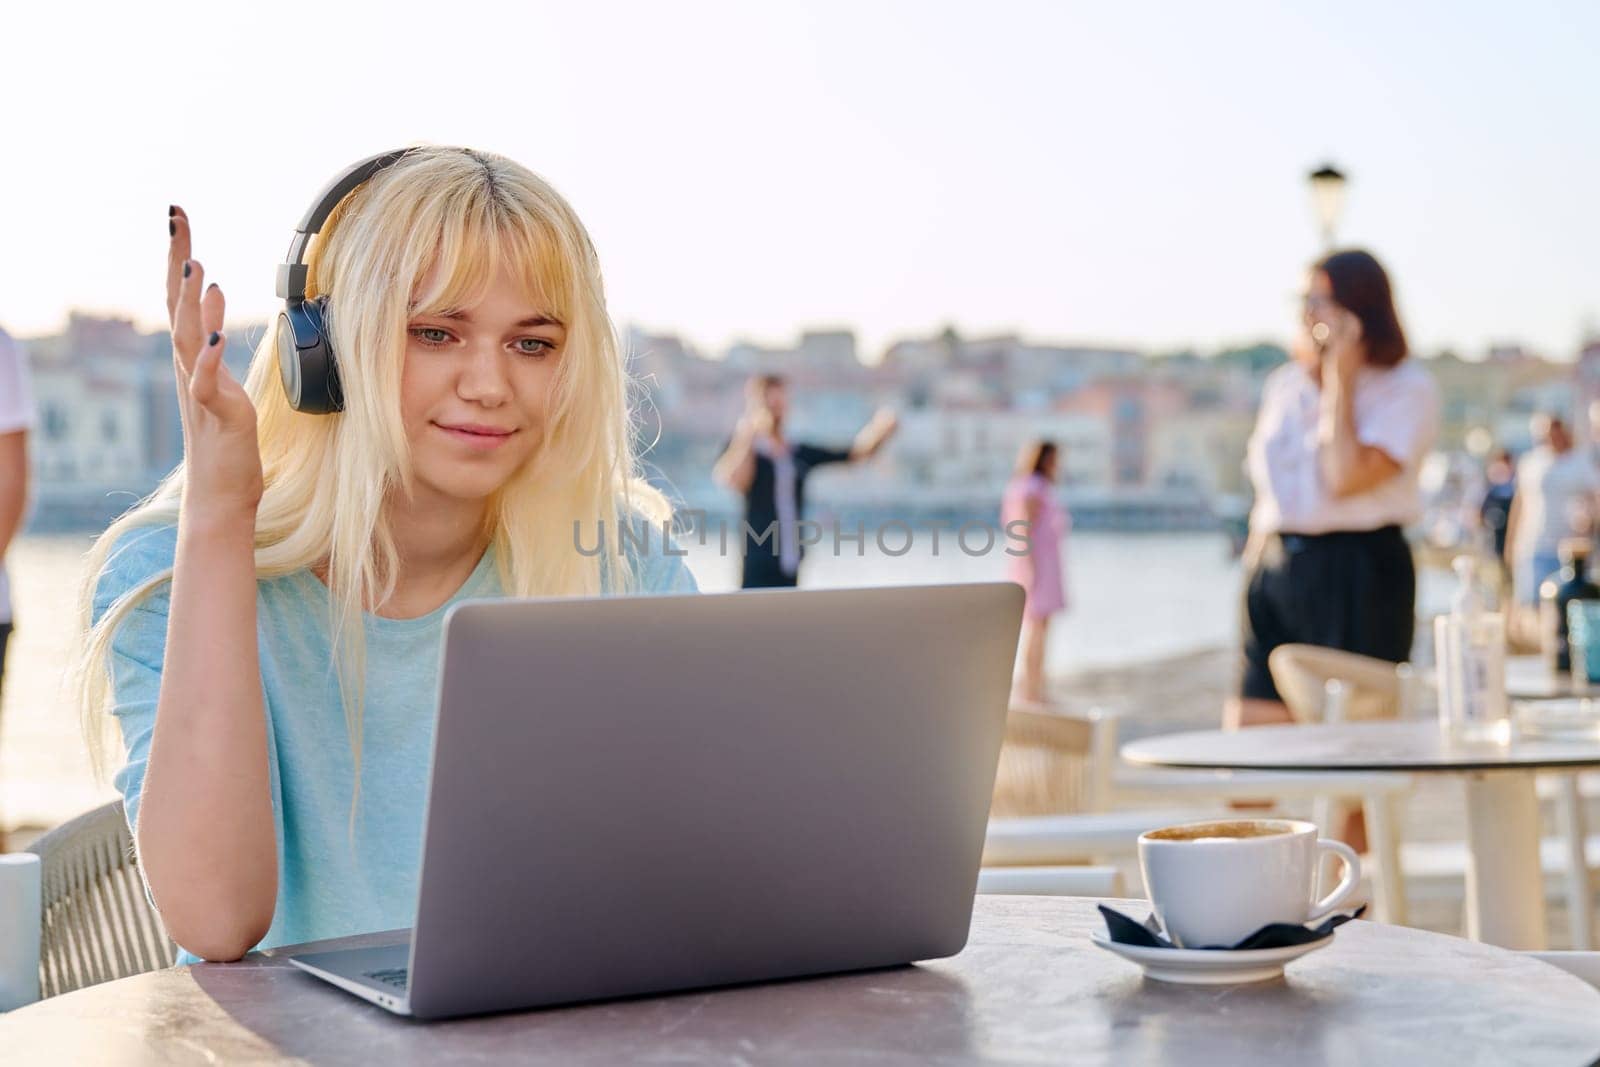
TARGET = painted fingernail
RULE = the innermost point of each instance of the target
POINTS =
(172, 209)
(186, 268)
(212, 341)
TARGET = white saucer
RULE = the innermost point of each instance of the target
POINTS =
(1210, 966)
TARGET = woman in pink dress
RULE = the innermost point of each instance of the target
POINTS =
(1031, 497)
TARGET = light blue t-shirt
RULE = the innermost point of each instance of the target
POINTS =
(330, 883)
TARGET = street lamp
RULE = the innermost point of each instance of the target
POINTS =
(1327, 195)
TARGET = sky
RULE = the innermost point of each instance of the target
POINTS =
(1125, 174)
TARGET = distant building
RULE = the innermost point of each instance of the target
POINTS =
(1130, 406)
(923, 355)
(92, 387)
(821, 355)
(1201, 450)
(1131, 428)
(1497, 394)
(977, 448)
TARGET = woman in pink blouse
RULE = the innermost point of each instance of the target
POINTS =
(1031, 497)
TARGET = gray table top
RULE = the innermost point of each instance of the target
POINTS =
(1028, 988)
(1357, 746)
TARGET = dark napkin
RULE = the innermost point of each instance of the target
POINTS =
(1126, 931)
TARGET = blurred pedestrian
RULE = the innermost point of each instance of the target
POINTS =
(760, 463)
(1558, 488)
(1031, 497)
(16, 419)
(1341, 434)
(1494, 510)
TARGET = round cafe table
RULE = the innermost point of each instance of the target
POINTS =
(1029, 987)
(1505, 890)
(1531, 678)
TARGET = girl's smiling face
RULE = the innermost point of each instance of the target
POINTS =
(475, 389)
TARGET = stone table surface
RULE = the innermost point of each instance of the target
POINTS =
(1029, 988)
(1413, 745)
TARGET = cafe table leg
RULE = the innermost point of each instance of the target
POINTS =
(1505, 884)
(1383, 846)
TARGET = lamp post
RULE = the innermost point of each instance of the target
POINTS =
(1327, 195)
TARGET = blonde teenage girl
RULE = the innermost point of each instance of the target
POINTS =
(265, 628)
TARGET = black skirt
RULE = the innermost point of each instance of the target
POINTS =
(763, 570)
(1354, 591)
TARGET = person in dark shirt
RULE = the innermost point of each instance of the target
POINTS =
(770, 471)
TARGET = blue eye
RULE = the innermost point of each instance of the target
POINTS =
(542, 346)
(425, 335)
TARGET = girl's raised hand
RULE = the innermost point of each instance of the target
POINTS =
(221, 455)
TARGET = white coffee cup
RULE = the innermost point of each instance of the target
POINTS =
(1215, 883)
(19, 929)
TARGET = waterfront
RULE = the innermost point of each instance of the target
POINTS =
(1135, 598)
(1149, 631)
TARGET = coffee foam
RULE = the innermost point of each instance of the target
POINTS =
(1231, 830)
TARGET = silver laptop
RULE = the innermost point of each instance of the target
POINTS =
(643, 794)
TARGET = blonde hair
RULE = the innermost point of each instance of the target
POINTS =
(328, 478)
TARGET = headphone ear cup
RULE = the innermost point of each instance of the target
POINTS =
(305, 359)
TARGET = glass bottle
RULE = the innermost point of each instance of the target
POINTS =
(1469, 646)
(1572, 583)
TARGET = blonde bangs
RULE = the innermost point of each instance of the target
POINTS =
(478, 238)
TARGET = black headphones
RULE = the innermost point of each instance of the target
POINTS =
(305, 351)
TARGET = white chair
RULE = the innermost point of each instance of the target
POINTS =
(1052, 881)
(1567, 792)
(1565, 863)
(1379, 794)
(1082, 837)
(1046, 765)
(1375, 688)
(1332, 686)
(1063, 796)
(97, 922)
(1049, 796)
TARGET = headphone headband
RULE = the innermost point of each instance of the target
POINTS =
(292, 272)
(306, 363)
